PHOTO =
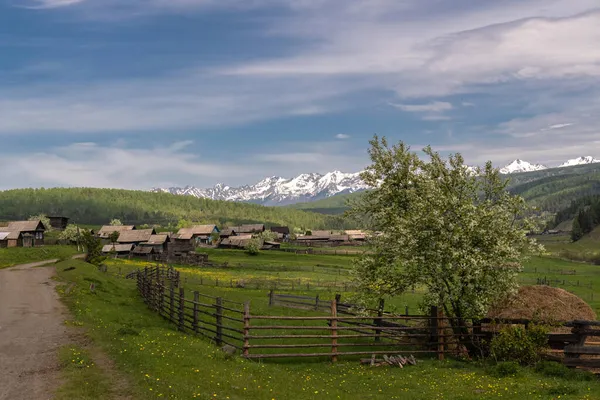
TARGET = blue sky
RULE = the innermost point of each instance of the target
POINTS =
(143, 93)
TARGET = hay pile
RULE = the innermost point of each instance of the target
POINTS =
(543, 303)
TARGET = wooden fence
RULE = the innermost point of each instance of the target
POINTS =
(340, 332)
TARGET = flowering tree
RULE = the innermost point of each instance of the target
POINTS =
(115, 222)
(44, 219)
(455, 232)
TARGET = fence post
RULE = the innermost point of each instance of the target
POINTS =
(440, 335)
(172, 301)
(196, 301)
(181, 308)
(316, 302)
(334, 323)
(246, 348)
(378, 321)
(271, 298)
(161, 299)
(219, 319)
(433, 326)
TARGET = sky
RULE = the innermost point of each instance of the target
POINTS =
(159, 93)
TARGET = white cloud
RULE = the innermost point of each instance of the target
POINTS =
(89, 164)
(342, 136)
(43, 4)
(435, 106)
(559, 126)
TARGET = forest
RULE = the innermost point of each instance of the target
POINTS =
(98, 206)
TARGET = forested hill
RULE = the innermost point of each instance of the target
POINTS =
(98, 206)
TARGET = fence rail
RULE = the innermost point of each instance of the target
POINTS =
(339, 332)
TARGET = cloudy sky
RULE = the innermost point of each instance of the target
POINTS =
(143, 93)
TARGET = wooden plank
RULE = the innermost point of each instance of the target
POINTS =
(582, 362)
(578, 349)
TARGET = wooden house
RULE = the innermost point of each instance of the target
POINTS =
(228, 232)
(283, 232)
(107, 230)
(249, 229)
(59, 223)
(117, 249)
(235, 242)
(25, 233)
(135, 236)
(267, 245)
(158, 243)
(201, 234)
(10, 239)
(356, 235)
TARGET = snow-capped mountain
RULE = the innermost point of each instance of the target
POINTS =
(579, 161)
(276, 190)
(521, 166)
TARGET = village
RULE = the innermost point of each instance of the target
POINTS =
(131, 241)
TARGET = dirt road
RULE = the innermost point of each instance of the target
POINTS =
(31, 331)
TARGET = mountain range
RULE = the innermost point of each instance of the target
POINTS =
(278, 191)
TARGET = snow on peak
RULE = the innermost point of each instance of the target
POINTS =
(521, 166)
(579, 161)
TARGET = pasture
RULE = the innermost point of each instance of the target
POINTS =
(22, 255)
(159, 362)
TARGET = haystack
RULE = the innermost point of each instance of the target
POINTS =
(543, 303)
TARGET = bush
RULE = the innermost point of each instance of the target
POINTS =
(554, 369)
(253, 247)
(506, 368)
(515, 343)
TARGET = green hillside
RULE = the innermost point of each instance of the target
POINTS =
(98, 206)
(550, 190)
(333, 205)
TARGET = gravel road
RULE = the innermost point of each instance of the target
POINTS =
(31, 331)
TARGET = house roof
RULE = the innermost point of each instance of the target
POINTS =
(228, 232)
(183, 236)
(4, 235)
(26, 226)
(106, 230)
(339, 238)
(281, 229)
(117, 247)
(158, 239)
(354, 232)
(249, 228)
(139, 235)
(143, 250)
(312, 237)
(199, 230)
(320, 233)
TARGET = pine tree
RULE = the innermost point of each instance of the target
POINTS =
(576, 232)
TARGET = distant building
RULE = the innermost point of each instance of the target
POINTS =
(228, 232)
(107, 230)
(283, 232)
(59, 223)
(118, 249)
(22, 234)
(135, 236)
(249, 229)
(201, 234)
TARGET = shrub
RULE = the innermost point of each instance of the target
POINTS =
(253, 246)
(515, 343)
(554, 369)
(506, 368)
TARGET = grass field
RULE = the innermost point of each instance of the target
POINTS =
(21, 255)
(162, 363)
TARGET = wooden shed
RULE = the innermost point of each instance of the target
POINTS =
(107, 230)
(249, 229)
(136, 236)
(59, 223)
(158, 243)
(201, 234)
(34, 229)
(119, 249)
